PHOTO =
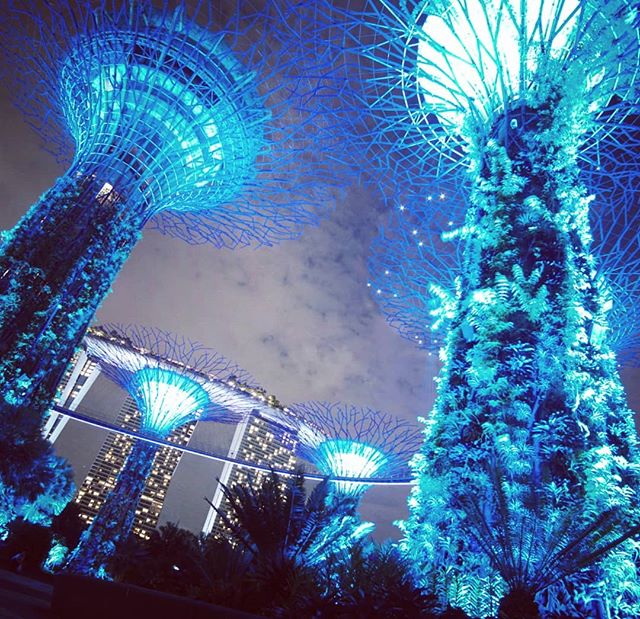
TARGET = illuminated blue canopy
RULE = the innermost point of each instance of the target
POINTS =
(344, 458)
(187, 112)
(167, 399)
(418, 95)
(513, 39)
(358, 443)
(173, 381)
(191, 113)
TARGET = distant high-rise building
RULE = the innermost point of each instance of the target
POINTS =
(110, 460)
(254, 441)
(76, 382)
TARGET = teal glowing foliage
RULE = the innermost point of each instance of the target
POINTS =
(55, 558)
(49, 291)
(537, 549)
(278, 523)
(114, 520)
(416, 261)
(38, 506)
(35, 484)
(528, 381)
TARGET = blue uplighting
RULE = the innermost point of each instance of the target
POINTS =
(345, 458)
(191, 113)
(168, 117)
(166, 399)
(348, 442)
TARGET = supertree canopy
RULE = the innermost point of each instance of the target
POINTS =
(416, 261)
(173, 381)
(169, 114)
(414, 268)
(529, 108)
(348, 443)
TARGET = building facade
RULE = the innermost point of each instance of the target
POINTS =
(254, 441)
(102, 476)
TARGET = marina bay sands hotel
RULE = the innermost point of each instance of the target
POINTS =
(171, 493)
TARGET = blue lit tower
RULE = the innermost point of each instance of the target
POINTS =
(529, 106)
(345, 442)
(180, 118)
(173, 381)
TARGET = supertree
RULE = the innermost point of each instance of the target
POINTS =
(353, 446)
(173, 381)
(179, 118)
(527, 107)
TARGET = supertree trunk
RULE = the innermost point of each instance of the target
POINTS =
(529, 383)
(114, 521)
(56, 267)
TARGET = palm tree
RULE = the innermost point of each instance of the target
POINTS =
(376, 582)
(287, 534)
(275, 520)
(177, 561)
(222, 570)
(537, 547)
(166, 561)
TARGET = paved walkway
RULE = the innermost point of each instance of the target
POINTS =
(24, 598)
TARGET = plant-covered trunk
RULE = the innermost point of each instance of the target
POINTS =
(115, 518)
(529, 380)
(56, 267)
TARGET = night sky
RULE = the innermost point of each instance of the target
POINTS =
(297, 316)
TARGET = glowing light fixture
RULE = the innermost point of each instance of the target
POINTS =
(344, 458)
(166, 398)
(359, 443)
(510, 38)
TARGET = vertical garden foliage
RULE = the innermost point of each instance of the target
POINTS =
(35, 484)
(55, 268)
(520, 102)
(529, 382)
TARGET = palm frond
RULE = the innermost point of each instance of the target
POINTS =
(535, 547)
